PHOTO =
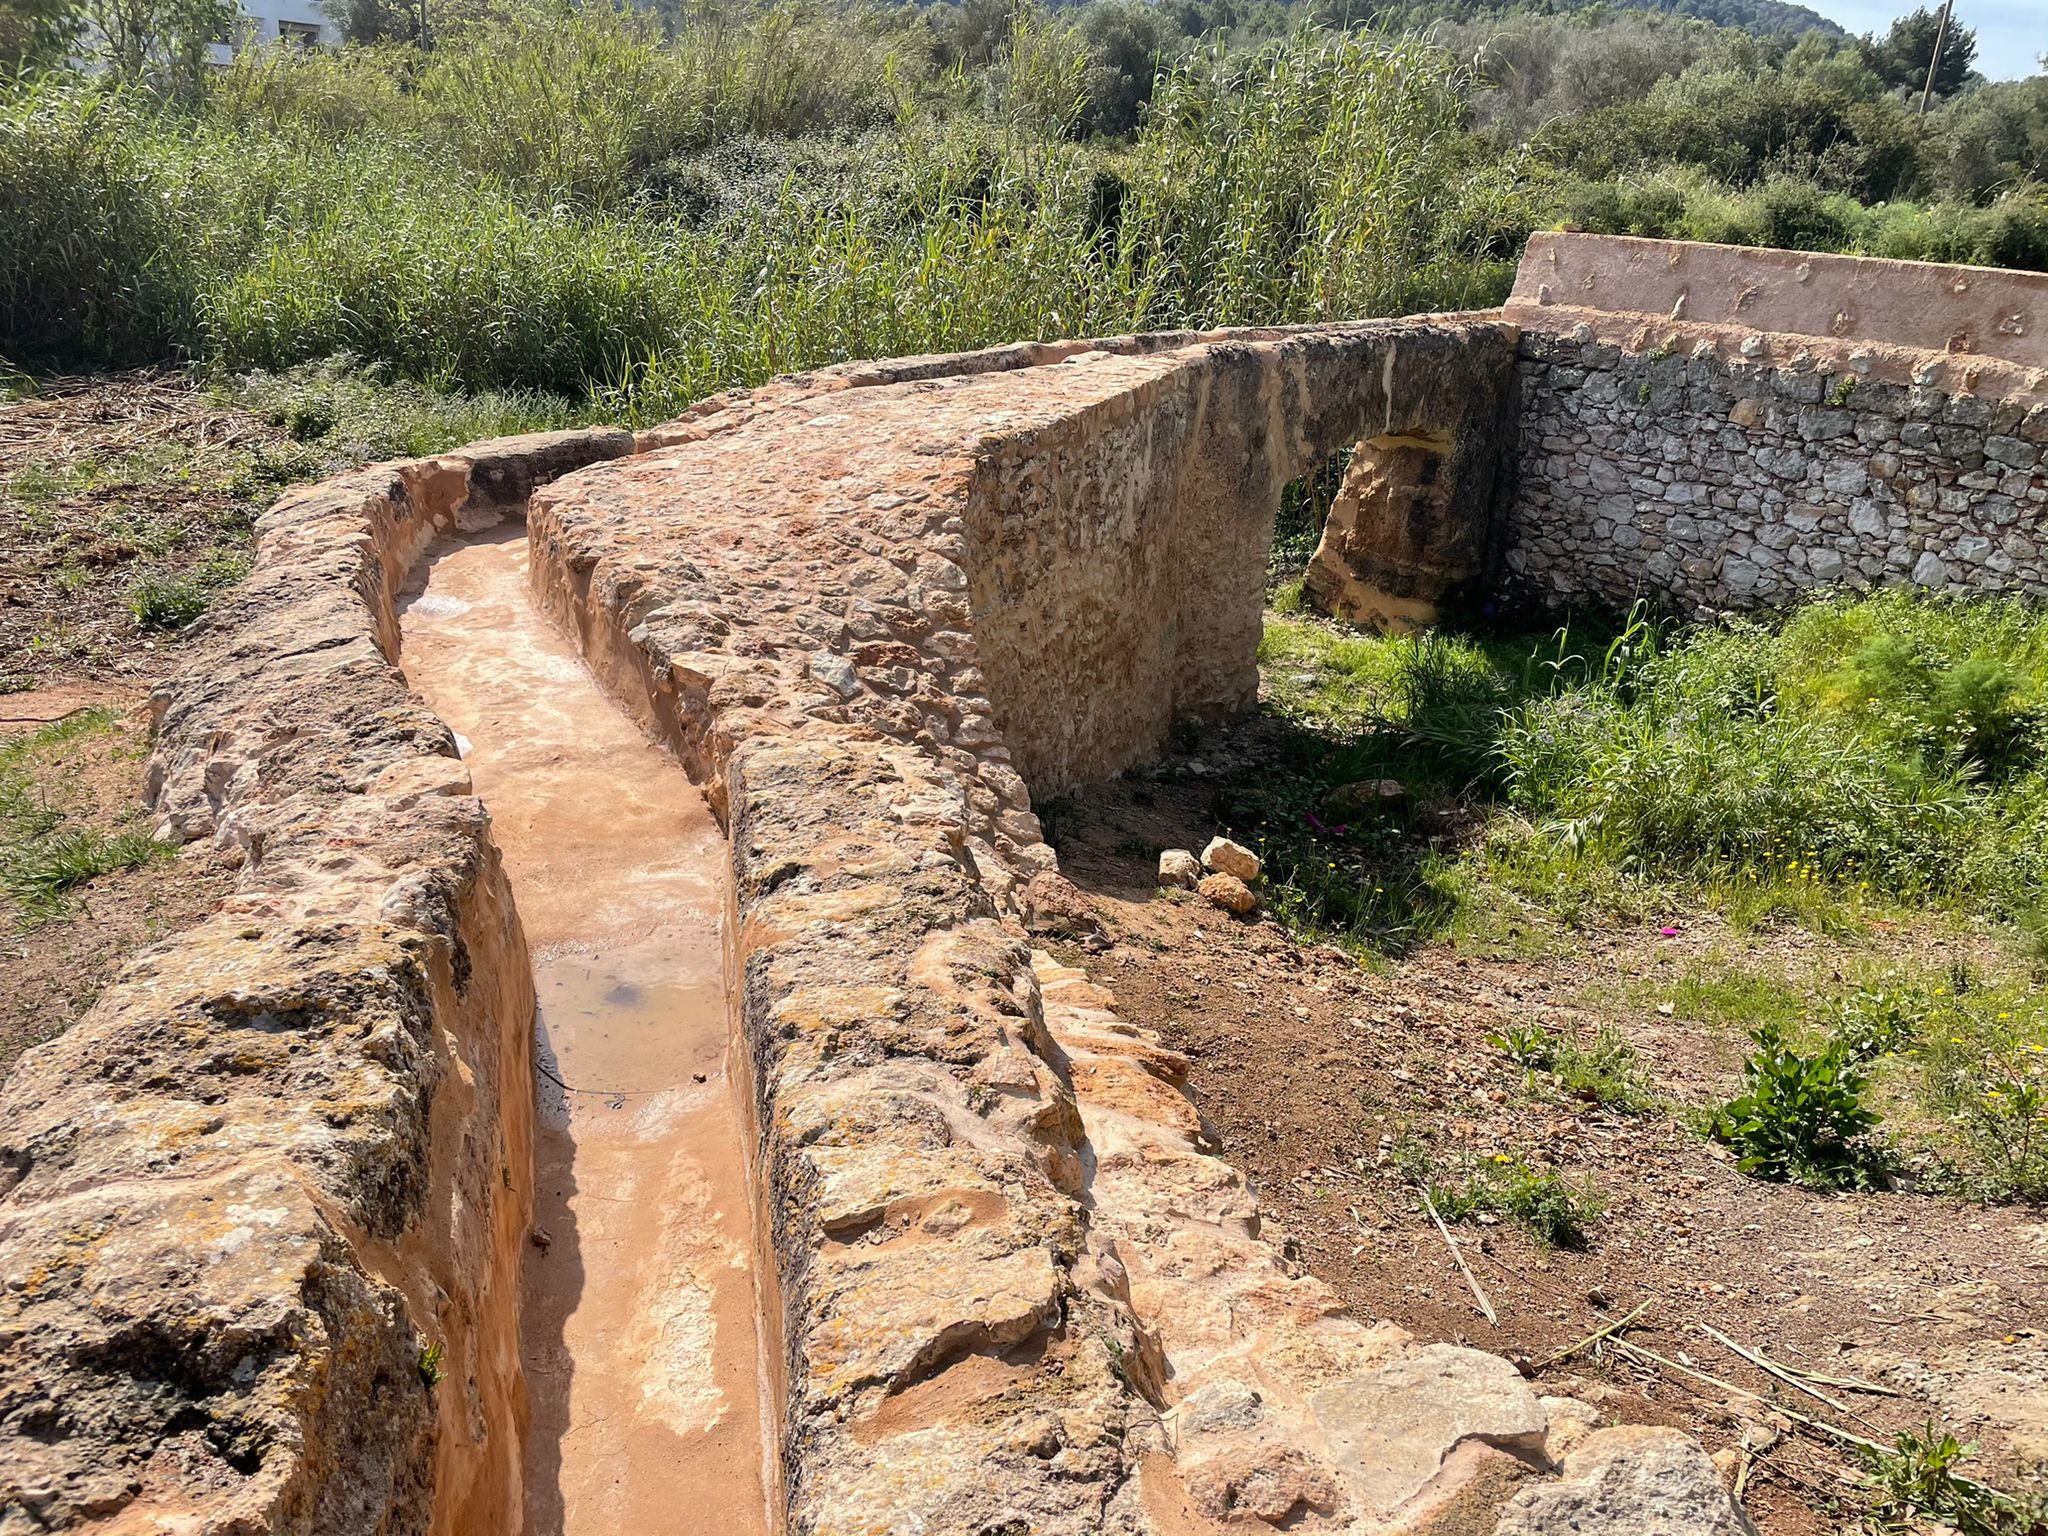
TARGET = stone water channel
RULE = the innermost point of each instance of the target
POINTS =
(642, 1331)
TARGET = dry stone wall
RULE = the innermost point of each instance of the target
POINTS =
(1667, 448)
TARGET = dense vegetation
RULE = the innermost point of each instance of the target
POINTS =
(1874, 750)
(639, 207)
(1849, 769)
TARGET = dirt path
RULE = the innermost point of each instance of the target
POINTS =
(1316, 1072)
(642, 1347)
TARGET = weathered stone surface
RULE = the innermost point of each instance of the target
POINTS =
(1224, 857)
(1227, 892)
(1411, 529)
(271, 1169)
(866, 608)
(1636, 1480)
(1179, 869)
(1394, 1427)
(1094, 1266)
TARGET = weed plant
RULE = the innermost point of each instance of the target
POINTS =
(46, 852)
(1539, 1201)
(1596, 1068)
(1918, 1482)
(1800, 1117)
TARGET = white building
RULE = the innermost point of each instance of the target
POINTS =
(299, 22)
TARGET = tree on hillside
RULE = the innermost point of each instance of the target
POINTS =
(375, 21)
(35, 32)
(163, 42)
(1901, 57)
(1126, 42)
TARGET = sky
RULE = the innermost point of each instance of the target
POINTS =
(2011, 34)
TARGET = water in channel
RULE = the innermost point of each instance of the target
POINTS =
(641, 1325)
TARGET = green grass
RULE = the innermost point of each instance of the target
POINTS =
(46, 852)
(1539, 1201)
(1866, 755)
(1723, 993)
(1968, 1070)
(343, 409)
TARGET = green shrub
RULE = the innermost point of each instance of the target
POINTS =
(2003, 1122)
(162, 601)
(1800, 1117)
(1889, 741)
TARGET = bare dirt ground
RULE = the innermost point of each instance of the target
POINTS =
(103, 483)
(107, 483)
(55, 968)
(1317, 1073)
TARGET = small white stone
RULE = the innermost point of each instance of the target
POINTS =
(1179, 869)
(836, 673)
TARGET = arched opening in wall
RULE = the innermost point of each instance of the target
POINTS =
(1391, 548)
(1305, 504)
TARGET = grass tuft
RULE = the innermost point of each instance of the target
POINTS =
(46, 852)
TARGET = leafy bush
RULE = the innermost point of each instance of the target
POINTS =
(1800, 1117)
(2004, 1123)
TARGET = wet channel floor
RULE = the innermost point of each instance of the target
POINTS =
(641, 1336)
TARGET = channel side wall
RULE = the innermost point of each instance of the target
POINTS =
(262, 1210)
(1727, 429)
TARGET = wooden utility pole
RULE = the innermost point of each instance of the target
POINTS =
(1927, 90)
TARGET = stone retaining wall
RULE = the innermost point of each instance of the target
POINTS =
(1666, 448)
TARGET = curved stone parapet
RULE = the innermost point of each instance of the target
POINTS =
(263, 1208)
